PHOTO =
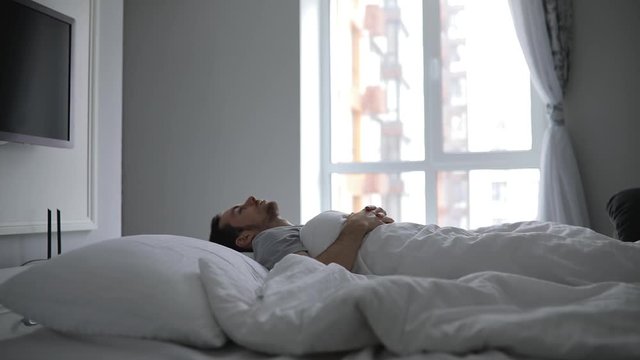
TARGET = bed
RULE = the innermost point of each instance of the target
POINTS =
(173, 297)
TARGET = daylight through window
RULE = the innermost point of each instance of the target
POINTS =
(431, 112)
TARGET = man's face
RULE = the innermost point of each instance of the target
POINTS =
(253, 213)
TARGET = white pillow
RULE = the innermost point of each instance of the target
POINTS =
(145, 286)
(321, 231)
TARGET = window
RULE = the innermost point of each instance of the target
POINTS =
(431, 112)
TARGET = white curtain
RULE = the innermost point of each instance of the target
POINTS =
(546, 51)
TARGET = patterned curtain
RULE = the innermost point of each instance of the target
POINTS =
(544, 31)
(558, 20)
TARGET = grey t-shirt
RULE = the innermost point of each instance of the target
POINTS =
(271, 245)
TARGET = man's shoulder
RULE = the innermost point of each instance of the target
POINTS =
(273, 244)
(285, 228)
(279, 231)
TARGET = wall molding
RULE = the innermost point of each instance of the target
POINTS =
(91, 221)
(88, 221)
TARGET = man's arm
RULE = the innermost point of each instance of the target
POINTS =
(345, 248)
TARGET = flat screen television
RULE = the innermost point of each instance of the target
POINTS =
(35, 74)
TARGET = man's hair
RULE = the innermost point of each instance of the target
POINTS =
(226, 235)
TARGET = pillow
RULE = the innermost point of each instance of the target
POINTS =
(321, 231)
(145, 286)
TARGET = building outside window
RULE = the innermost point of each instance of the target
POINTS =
(432, 114)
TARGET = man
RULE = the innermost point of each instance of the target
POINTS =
(256, 226)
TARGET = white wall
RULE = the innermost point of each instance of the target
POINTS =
(16, 249)
(603, 101)
(211, 110)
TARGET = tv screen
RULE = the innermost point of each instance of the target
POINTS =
(35, 74)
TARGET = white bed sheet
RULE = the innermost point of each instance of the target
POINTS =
(46, 344)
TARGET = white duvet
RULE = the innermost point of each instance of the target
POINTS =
(529, 290)
(555, 252)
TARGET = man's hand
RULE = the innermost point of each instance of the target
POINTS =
(379, 212)
(366, 220)
(345, 249)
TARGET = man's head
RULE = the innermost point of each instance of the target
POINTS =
(237, 226)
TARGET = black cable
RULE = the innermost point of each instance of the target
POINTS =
(34, 260)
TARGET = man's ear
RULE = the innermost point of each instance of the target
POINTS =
(245, 239)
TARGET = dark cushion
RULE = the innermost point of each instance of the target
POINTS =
(624, 212)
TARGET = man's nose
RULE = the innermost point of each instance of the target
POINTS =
(250, 200)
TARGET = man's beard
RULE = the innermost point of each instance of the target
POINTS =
(272, 210)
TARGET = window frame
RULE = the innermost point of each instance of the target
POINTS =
(435, 158)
